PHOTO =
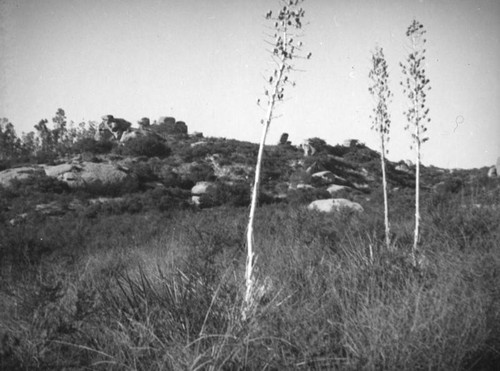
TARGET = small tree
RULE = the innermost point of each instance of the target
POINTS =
(284, 49)
(10, 144)
(381, 120)
(416, 86)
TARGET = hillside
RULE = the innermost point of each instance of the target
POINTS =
(130, 256)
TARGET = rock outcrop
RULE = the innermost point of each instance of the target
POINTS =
(20, 173)
(87, 173)
(112, 127)
(308, 148)
(332, 205)
(284, 139)
(169, 126)
(327, 177)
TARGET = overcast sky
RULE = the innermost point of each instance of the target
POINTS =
(205, 62)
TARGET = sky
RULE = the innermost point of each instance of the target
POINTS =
(206, 63)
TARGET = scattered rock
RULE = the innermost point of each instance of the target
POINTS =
(53, 208)
(350, 143)
(197, 144)
(104, 200)
(361, 185)
(19, 219)
(334, 188)
(331, 205)
(195, 200)
(316, 167)
(229, 172)
(304, 186)
(202, 188)
(327, 177)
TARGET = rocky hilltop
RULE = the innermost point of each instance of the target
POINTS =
(181, 170)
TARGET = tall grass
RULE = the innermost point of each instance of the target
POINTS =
(149, 292)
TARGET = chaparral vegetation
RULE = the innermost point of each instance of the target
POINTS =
(126, 250)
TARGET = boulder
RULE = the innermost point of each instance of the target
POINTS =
(315, 167)
(498, 166)
(202, 188)
(492, 172)
(58, 170)
(308, 148)
(131, 134)
(112, 125)
(334, 188)
(51, 209)
(144, 122)
(195, 200)
(403, 168)
(284, 139)
(6, 176)
(196, 144)
(327, 177)
(332, 205)
(76, 175)
(350, 143)
(168, 125)
(304, 186)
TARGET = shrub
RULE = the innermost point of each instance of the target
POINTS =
(91, 145)
(145, 146)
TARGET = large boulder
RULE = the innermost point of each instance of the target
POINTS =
(20, 173)
(332, 205)
(87, 173)
(498, 166)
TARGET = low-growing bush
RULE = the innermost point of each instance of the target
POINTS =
(149, 146)
(90, 145)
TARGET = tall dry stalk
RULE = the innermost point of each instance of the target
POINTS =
(285, 47)
(381, 121)
(416, 86)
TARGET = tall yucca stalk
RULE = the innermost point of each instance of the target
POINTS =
(285, 47)
(381, 121)
(416, 86)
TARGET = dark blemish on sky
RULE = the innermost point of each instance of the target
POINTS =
(459, 121)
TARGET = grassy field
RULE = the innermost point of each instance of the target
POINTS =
(163, 290)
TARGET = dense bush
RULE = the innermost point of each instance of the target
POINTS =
(149, 146)
(91, 145)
